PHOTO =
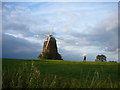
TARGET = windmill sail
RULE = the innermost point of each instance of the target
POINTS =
(48, 42)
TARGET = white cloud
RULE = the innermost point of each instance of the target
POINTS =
(33, 39)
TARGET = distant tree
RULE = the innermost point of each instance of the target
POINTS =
(58, 56)
(101, 58)
(40, 56)
(44, 56)
(113, 61)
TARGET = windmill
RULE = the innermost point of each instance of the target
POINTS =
(50, 50)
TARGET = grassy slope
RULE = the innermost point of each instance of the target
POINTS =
(68, 70)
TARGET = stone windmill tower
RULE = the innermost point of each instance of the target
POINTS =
(50, 50)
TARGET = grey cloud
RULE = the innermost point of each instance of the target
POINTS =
(24, 27)
(15, 26)
(19, 48)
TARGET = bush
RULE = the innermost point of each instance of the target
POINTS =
(101, 58)
(46, 55)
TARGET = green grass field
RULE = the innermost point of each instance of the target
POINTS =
(18, 73)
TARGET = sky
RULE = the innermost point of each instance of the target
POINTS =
(60, 1)
(89, 28)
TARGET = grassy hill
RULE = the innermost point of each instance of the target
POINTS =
(31, 73)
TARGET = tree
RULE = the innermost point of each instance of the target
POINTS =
(46, 55)
(101, 58)
(40, 56)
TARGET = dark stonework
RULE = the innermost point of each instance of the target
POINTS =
(51, 51)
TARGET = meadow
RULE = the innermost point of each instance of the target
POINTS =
(33, 73)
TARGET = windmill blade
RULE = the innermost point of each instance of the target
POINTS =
(59, 38)
(48, 42)
(44, 35)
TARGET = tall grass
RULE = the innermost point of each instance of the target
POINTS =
(32, 77)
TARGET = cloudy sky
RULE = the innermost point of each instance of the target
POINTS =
(87, 28)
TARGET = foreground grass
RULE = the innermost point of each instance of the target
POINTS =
(58, 74)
